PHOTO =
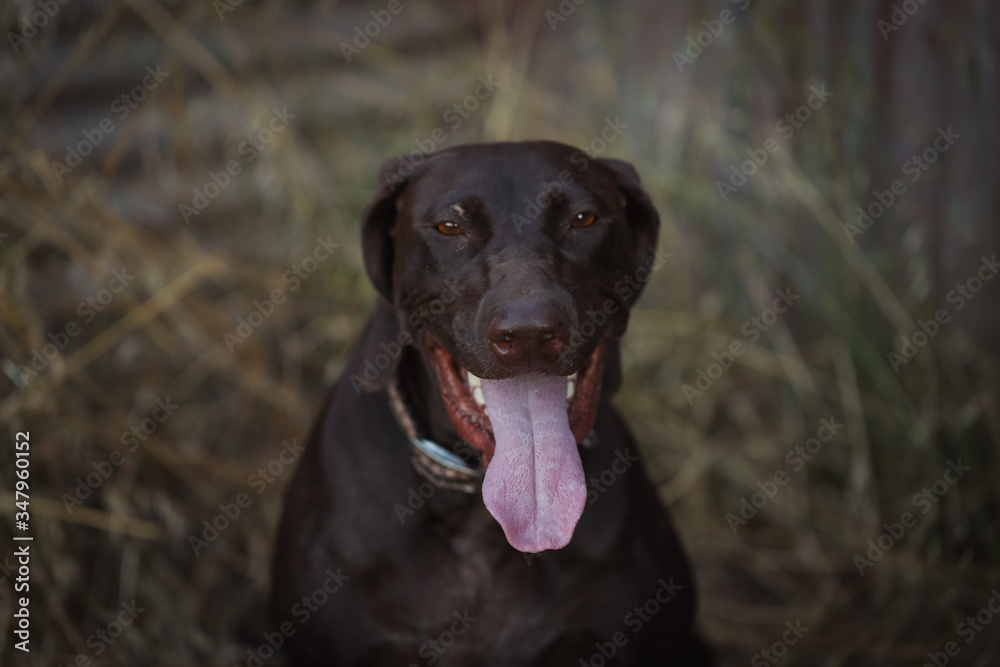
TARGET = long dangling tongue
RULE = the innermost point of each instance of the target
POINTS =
(534, 486)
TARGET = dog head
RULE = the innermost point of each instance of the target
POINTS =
(512, 267)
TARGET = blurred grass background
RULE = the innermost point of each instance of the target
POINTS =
(229, 65)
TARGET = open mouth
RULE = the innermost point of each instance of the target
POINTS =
(528, 428)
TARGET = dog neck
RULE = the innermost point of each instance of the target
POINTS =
(423, 419)
(420, 388)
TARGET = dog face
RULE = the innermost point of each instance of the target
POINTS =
(513, 267)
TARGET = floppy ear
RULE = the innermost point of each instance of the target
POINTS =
(378, 225)
(643, 220)
(378, 233)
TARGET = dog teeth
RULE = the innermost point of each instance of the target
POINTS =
(572, 378)
(476, 387)
(570, 387)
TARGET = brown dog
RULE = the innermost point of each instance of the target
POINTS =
(471, 415)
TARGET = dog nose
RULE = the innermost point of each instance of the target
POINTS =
(529, 334)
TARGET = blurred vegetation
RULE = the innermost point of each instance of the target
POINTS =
(231, 65)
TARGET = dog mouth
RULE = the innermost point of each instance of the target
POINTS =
(528, 428)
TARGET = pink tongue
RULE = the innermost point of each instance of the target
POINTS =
(534, 485)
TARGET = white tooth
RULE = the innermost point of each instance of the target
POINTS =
(474, 381)
(477, 394)
(573, 376)
(570, 389)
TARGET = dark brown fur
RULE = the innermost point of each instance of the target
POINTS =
(406, 580)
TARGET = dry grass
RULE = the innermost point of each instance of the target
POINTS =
(162, 335)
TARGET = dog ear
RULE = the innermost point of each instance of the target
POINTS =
(643, 220)
(378, 234)
(378, 224)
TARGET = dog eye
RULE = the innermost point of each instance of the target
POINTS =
(449, 228)
(585, 219)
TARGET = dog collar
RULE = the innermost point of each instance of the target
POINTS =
(438, 464)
